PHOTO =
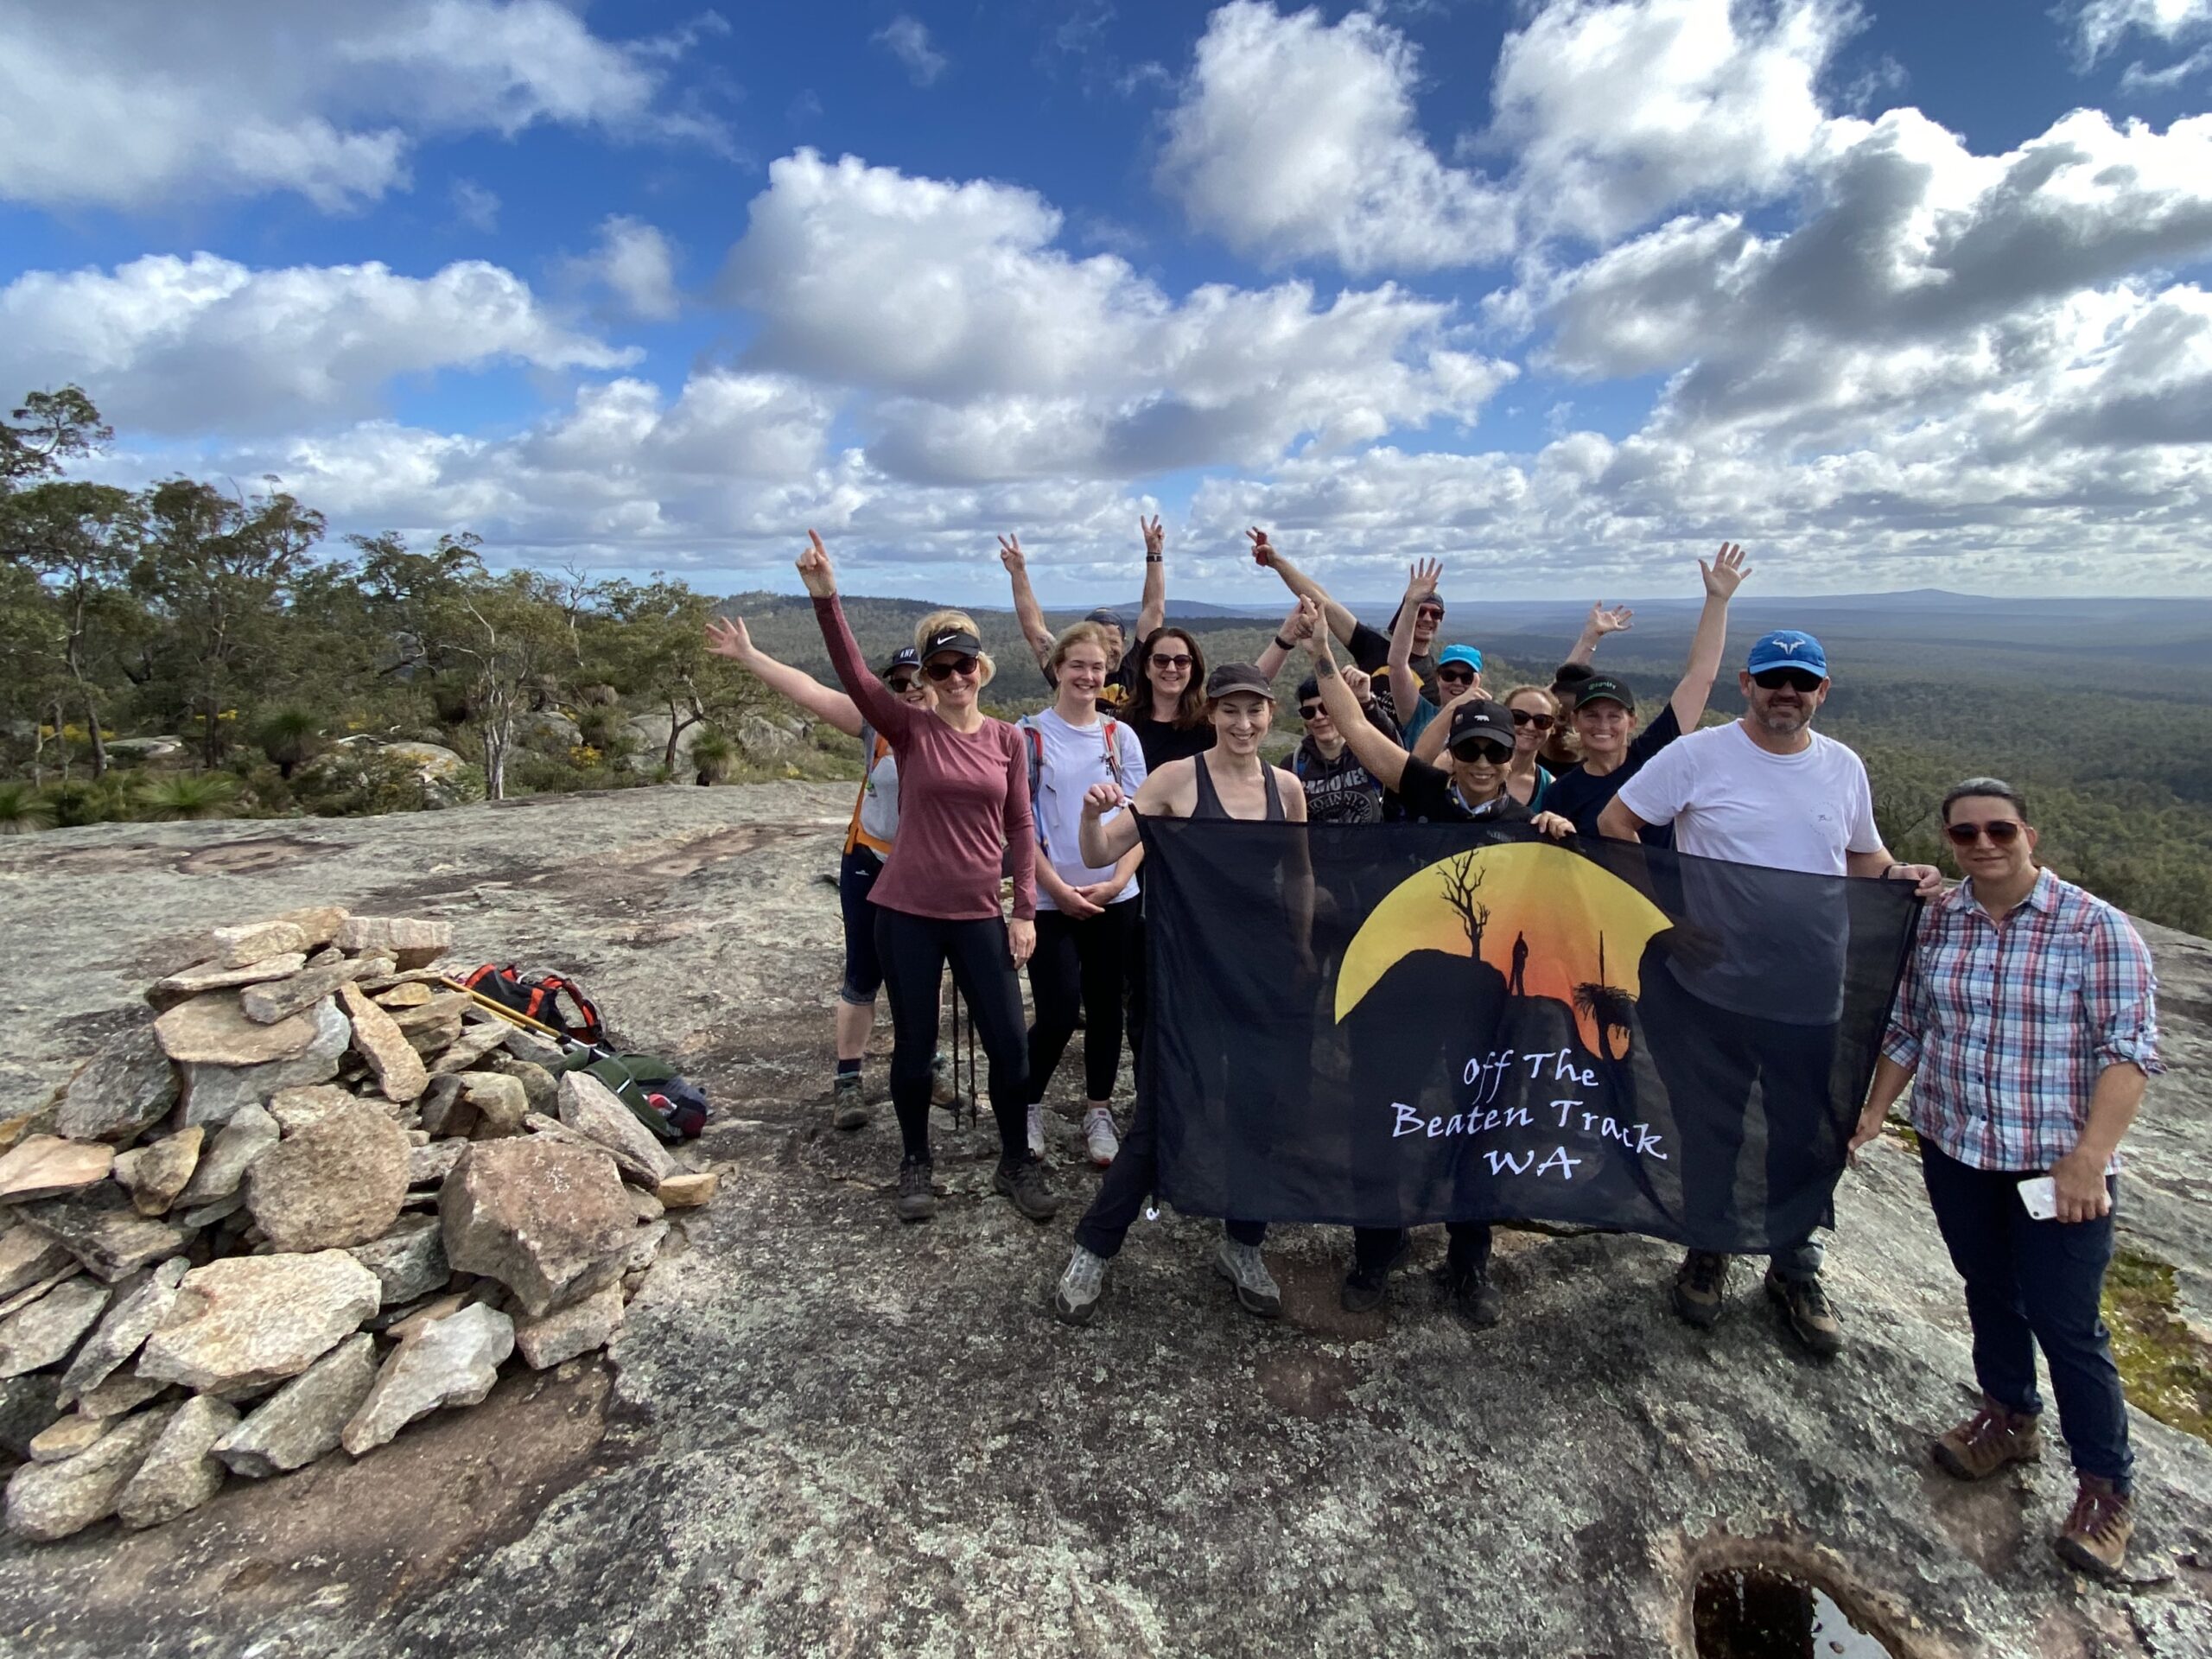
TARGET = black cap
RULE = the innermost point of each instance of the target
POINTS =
(1481, 720)
(1567, 676)
(1239, 677)
(1106, 616)
(953, 640)
(1603, 687)
(905, 656)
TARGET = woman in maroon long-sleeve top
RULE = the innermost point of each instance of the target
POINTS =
(963, 806)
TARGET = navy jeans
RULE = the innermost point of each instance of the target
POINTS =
(2033, 1284)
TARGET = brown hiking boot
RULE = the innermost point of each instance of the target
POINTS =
(1986, 1442)
(1812, 1321)
(1700, 1287)
(2095, 1537)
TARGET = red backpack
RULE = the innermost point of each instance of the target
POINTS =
(539, 999)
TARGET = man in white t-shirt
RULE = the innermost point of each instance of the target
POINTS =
(1764, 790)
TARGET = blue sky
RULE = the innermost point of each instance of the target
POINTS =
(1562, 292)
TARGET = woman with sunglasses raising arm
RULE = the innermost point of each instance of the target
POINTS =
(1605, 712)
(963, 785)
(868, 840)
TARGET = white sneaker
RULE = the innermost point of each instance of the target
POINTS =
(1075, 1298)
(1037, 1131)
(1098, 1134)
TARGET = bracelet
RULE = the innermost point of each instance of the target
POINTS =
(1155, 558)
(1282, 644)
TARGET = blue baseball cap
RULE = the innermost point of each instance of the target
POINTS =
(905, 656)
(1787, 648)
(1466, 654)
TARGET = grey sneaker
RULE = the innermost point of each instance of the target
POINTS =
(1256, 1288)
(1077, 1298)
(1037, 1131)
(1099, 1136)
(847, 1106)
(917, 1198)
(1025, 1184)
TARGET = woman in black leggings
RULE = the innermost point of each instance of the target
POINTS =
(963, 801)
(1228, 781)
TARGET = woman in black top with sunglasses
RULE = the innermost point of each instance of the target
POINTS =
(1605, 712)
(1169, 712)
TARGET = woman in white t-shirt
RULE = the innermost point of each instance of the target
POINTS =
(1089, 939)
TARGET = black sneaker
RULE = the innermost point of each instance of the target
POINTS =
(1364, 1293)
(1472, 1296)
(1025, 1184)
(1811, 1318)
(917, 1198)
(1701, 1289)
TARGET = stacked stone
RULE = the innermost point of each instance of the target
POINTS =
(320, 1195)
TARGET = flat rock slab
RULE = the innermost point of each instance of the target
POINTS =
(43, 1165)
(409, 1262)
(179, 1471)
(48, 1501)
(450, 1362)
(126, 1088)
(155, 1173)
(216, 1094)
(28, 1256)
(303, 1420)
(101, 1229)
(568, 1331)
(244, 1322)
(244, 944)
(214, 977)
(399, 1071)
(42, 1334)
(222, 1171)
(589, 1107)
(339, 1180)
(279, 999)
(137, 1312)
(213, 1030)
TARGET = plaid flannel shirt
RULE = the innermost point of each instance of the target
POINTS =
(2010, 1025)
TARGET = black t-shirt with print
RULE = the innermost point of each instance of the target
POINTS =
(1426, 794)
(1343, 790)
(1581, 796)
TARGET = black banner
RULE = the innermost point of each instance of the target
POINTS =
(1382, 1025)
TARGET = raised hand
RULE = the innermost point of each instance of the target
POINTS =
(814, 569)
(1361, 684)
(1100, 799)
(1602, 621)
(1421, 578)
(1010, 554)
(1155, 539)
(726, 637)
(1298, 624)
(1726, 572)
(1262, 553)
(1311, 633)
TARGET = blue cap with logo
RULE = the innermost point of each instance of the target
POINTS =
(905, 656)
(1466, 654)
(1787, 648)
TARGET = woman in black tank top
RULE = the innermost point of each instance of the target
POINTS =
(1208, 804)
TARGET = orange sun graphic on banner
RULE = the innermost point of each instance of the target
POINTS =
(1553, 922)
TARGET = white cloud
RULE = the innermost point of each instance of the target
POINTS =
(2100, 25)
(185, 345)
(477, 207)
(123, 104)
(907, 39)
(1296, 138)
(636, 265)
(987, 352)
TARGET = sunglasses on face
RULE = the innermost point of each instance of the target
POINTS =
(1796, 679)
(963, 666)
(904, 682)
(1489, 752)
(1526, 717)
(1427, 614)
(1455, 676)
(2002, 832)
(1312, 711)
(1163, 659)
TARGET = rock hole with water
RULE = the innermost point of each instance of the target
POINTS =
(1751, 1613)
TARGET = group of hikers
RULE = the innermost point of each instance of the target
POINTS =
(2024, 1025)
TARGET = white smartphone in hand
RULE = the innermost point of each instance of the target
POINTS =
(2039, 1194)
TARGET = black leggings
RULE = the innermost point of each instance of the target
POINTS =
(914, 950)
(1088, 960)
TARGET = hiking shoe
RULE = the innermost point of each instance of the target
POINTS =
(1077, 1297)
(847, 1106)
(1099, 1136)
(1986, 1442)
(2095, 1537)
(1037, 1132)
(1364, 1293)
(1812, 1321)
(942, 1093)
(1701, 1289)
(1025, 1184)
(1472, 1296)
(1256, 1288)
(917, 1198)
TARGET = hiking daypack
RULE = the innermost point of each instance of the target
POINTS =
(1110, 735)
(539, 999)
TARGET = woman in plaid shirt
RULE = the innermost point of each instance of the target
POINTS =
(2027, 1027)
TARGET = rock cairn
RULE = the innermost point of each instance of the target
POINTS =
(321, 1195)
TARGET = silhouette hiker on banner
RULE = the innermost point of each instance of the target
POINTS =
(1519, 986)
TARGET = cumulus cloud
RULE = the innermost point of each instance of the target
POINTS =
(183, 344)
(636, 266)
(907, 39)
(121, 105)
(984, 352)
(1296, 138)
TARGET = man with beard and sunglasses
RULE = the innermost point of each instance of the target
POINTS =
(2027, 1028)
(1765, 790)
